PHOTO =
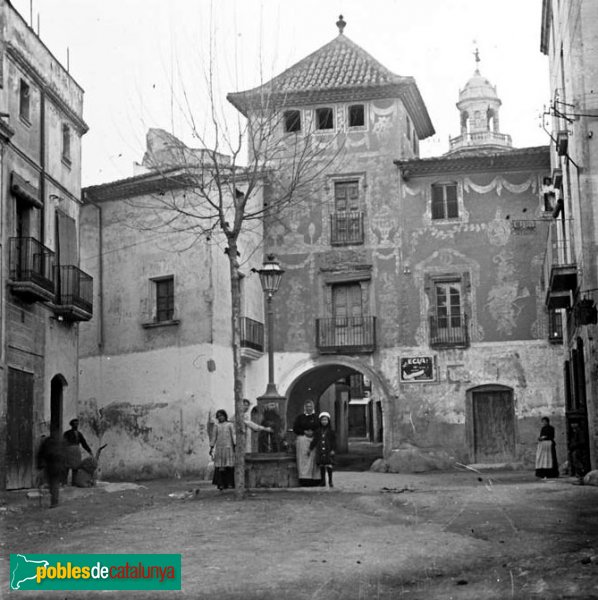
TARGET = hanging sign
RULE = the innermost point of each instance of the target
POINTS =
(416, 369)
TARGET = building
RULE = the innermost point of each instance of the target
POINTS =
(411, 307)
(45, 295)
(156, 361)
(570, 277)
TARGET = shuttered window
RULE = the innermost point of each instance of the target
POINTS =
(445, 204)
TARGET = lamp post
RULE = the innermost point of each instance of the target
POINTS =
(271, 406)
(270, 276)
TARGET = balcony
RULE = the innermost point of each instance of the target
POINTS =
(560, 269)
(449, 332)
(252, 338)
(346, 335)
(74, 294)
(480, 138)
(31, 269)
(346, 228)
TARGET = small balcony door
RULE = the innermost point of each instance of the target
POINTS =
(348, 314)
(449, 312)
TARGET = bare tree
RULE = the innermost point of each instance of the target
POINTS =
(214, 195)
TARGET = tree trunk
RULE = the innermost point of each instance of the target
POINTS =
(235, 283)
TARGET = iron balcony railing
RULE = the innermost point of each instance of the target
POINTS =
(74, 288)
(346, 334)
(559, 274)
(252, 334)
(449, 332)
(31, 262)
(479, 137)
(346, 228)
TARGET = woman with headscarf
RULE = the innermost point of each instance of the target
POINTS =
(546, 462)
(304, 427)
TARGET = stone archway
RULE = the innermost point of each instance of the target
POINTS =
(311, 377)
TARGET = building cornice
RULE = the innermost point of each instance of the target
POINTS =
(41, 81)
(537, 157)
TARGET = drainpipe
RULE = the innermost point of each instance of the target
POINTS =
(42, 162)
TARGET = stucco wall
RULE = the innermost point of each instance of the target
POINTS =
(152, 408)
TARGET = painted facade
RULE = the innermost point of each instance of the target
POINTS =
(394, 262)
(44, 293)
(568, 39)
(154, 370)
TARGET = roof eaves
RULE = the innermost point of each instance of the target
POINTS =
(523, 158)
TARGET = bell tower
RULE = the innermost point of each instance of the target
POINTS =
(479, 107)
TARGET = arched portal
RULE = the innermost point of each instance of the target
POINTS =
(355, 395)
(57, 386)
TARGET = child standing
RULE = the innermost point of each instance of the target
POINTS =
(222, 450)
(324, 442)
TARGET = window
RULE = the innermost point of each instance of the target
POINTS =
(555, 326)
(24, 104)
(292, 121)
(324, 118)
(346, 224)
(164, 299)
(346, 196)
(408, 127)
(448, 325)
(356, 115)
(66, 143)
(445, 204)
(548, 195)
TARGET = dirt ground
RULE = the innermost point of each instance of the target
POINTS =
(456, 535)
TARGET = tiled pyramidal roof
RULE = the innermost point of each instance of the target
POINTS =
(340, 63)
(339, 71)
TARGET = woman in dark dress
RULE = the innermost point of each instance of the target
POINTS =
(324, 443)
(546, 463)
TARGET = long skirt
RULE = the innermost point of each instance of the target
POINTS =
(308, 471)
(546, 462)
(224, 477)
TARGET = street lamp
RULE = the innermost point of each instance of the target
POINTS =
(270, 277)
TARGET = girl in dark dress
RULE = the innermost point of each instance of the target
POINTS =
(546, 462)
(324, 443)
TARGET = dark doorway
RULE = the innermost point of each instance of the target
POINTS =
(493, 421)
(19, 430)
(576, 409)
(357, 417)
(56, 403)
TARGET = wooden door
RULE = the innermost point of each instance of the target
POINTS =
(493, 426)
(19, 430)
(357, 420)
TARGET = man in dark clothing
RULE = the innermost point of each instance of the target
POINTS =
(51, 458)
(73, 438)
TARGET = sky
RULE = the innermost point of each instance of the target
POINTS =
(147, 63)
